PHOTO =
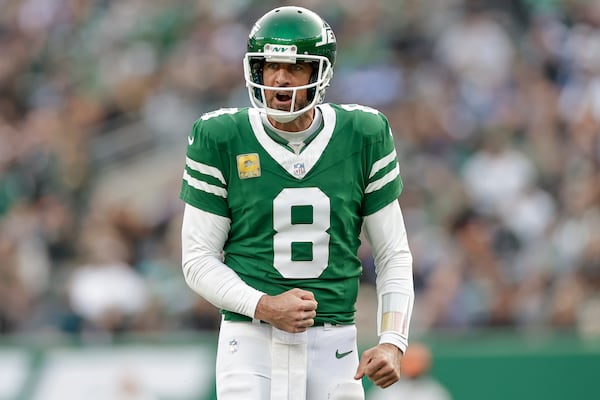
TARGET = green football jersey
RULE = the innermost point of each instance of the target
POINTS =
(295, 218)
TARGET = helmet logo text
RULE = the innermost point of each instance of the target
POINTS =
(327, 36)
(280, 53)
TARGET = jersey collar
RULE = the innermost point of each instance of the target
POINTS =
(290, 161)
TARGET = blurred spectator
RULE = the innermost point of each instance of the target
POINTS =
(478, 52)
(495, 107)
(130, 388)
(105, 292)
(496, 175)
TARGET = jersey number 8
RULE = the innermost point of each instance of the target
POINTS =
(301, 243)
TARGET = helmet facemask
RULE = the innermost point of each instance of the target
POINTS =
(322, 71)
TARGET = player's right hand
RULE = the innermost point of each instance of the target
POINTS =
(292, 311)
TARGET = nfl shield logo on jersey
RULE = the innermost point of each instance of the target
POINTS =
(299, 169)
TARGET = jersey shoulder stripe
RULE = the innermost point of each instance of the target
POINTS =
(205, 169)
(206, 174)
(384, 180)
(382, 163)
(203, 186)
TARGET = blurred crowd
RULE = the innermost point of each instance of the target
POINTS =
(495, 106)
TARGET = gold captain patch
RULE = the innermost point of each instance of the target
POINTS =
(248, 165)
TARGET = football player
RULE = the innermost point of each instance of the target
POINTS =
(276, 196)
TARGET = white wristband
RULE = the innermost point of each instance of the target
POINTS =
(393, 312)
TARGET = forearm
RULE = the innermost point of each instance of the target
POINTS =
(203, 235)
(386, 233)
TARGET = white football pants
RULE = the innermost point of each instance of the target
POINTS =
(317, 365)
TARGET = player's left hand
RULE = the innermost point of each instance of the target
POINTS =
(381, 364)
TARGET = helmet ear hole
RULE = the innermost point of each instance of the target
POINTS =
(313, 78)
(256, 67)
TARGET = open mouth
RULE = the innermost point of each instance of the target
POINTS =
(283, 98)
(282, 101)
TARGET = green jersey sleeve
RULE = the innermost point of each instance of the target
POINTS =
(383, 182)
(381, 174)
(207, 167)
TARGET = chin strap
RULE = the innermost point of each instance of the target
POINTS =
(283, 118)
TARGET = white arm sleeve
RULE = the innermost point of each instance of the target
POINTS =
(386, 233)
(202, 238)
